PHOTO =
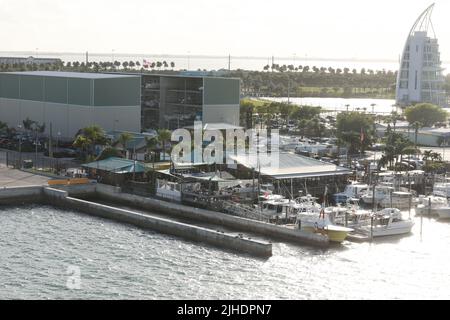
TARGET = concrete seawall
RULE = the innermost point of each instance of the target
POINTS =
(63, 196)
(20, 195)
(186, 231)
(173, 209)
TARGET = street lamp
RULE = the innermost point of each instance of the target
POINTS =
(19, 126)
(57, 140)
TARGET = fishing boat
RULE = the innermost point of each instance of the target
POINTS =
(308, 203)
(399, 200)
(381, 193)
(430, 205)
(387, 222)
(442, 190)
(354, 190)
(349, 215)
(321, 224)
(280, 209)
(443, 213)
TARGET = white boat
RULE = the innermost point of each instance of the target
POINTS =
(381, 193)
(308, 204)
(349, 215)
(441, 190)
(354, 190)
(388, 222)
(444, 213)
(399, 200)
(321, 224)
(280, 208)
(430, 205)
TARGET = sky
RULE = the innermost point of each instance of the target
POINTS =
(345, 29)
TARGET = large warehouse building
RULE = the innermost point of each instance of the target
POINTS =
(127, 102)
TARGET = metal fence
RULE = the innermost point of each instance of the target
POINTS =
(14, 159)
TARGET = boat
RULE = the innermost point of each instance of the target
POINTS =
(381, 193)
(308, 203)
(349, 215)
(442, 190)
(387, 222)
(321, 224)
(354, 190)
(280, 209)
(443, 213)
(399, 200)
(430, 205)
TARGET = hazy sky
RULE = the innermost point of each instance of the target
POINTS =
(318, 28)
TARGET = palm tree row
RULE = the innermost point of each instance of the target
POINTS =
(322, 70)
(90, 66)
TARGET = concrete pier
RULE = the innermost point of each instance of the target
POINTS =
(114, 194)
(61, 198)
(65, 196)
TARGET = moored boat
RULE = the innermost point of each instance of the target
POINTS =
(321, 224)
(388, 222)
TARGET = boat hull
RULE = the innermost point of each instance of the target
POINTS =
(396, 229)
(334, 235)
(444, 213)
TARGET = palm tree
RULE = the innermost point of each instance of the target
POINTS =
(28, 124)
(152, 144)
(88, 137)
(3, 126)
(124, 139)
(164, 136)
(83, 143)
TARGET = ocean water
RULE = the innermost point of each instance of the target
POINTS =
(382, 106)
(48, 253)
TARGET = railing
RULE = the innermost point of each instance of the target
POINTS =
(243, 211)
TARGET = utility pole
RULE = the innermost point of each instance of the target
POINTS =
(20, 146)
(50, 142)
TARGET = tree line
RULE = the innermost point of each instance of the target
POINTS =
(90, 66)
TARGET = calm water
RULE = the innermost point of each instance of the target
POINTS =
(116, 261)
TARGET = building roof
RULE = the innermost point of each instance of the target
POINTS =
(80, 75)
(117, 166)
(293, 166)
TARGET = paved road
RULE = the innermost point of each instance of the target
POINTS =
(15, 178)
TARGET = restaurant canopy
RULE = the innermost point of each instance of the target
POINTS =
(116, 165)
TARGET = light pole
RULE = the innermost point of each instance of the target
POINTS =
(19, 126)
(36, 150)
(189, 61)
(57, 140)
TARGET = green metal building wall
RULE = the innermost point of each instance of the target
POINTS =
(220, 91)
(75, 91)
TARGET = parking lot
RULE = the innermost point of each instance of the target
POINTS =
(15, 178)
